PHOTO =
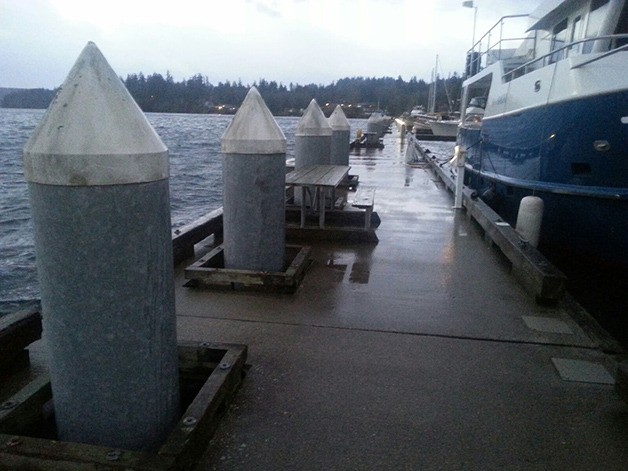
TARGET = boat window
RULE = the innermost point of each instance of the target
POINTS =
(576, 34)
(622, 27)
(597, 4)
(478, 101)
(559, 37)
(597, 15)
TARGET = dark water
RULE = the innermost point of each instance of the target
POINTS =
(602, 289)
(195, 185)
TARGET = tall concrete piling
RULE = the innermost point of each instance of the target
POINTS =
(312, 138)
(98, 181)
(312, 142)
(340, 136)
(374, 129)
(254, 178)
(375, 124)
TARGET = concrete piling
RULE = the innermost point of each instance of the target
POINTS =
(312, 143)
(375, 125)
(254, 177)
(98, 183)
(340, 136)
(312, 138)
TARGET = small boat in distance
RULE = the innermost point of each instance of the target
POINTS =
(444, 127)
(548, 115)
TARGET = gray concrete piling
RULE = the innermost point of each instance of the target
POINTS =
(312, 143)
(312, 139)
(375, 125)
(254, 178)
(340, 136)
(98, 182)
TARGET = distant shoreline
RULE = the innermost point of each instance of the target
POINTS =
(358, 96)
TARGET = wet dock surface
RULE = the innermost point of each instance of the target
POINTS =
(419, 352)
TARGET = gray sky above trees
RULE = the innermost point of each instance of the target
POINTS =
(298, 41)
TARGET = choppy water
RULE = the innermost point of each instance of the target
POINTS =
(195, 185)
(17, 263)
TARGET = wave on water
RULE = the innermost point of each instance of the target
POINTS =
(193, 142)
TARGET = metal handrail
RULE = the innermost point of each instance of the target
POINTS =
(601, 56)
(478, 45)
(488, 33)
(570, 46)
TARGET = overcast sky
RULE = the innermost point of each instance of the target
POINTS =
(298, 41)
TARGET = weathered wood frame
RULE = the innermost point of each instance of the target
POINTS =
(17, 331)
(222, 364)
(364, 198)
(209, 271)
(184, 239)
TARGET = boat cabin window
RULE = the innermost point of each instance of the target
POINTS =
(478, 102)
(576, 34)
(559, 37)
(597, 15)
(622, 27)
(474, 111)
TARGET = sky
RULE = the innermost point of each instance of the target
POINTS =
(289, 41)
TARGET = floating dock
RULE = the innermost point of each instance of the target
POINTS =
(420, 351)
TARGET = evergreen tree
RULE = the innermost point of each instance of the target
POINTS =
(154, 93)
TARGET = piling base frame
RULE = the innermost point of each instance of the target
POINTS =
(216, 370)
(209, 272)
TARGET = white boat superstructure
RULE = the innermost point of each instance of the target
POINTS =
(545, 112)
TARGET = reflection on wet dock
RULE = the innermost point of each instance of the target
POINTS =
(419, 352)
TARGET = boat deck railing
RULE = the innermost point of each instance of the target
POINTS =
(613, 43)
(493, 46)
(490, 46)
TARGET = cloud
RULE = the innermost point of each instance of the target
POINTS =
(267, 8)
(299, 41)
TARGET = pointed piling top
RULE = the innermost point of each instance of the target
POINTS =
(313, 122)
(375, 117)
(253, 129)
(94, 133)
(338, 120)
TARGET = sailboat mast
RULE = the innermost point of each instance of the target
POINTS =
(431, 99)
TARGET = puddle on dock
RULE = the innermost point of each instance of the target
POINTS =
(360, 273)
(359, 268)
(337, 271)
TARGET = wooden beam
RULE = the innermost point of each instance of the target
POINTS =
(535, 273)
(17, 331)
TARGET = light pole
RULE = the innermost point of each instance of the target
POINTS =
(469, 4)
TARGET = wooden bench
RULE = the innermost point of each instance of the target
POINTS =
(364, 199)
(322, 179)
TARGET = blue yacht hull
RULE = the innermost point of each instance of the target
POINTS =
(574, 155)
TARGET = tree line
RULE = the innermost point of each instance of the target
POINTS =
(359, 95)
(34, 98)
